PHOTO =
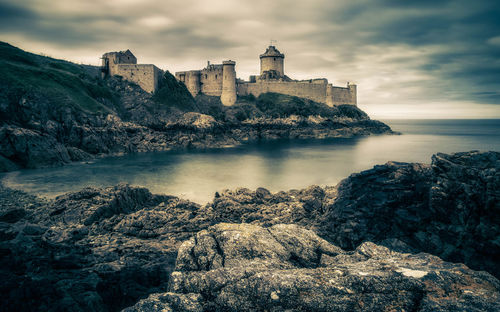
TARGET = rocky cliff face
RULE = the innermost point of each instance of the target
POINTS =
(53, 112)
(53, 143)
(350, 247)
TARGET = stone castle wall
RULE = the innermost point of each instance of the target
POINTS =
(340, 95)
(124, 64)
(191, 79)
(145, 75)
(211, 80)
(307, 90)
(207, 81)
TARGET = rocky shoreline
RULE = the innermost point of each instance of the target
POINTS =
(55, 144)
(377, 241)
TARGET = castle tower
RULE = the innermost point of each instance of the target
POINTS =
(193, 82)
(228, 96)
(272, 61)
(353, 92)
(111, 60)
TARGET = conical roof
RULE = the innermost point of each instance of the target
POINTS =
(271, 51)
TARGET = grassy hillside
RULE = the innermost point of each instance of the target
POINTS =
(275, 105)
(54, 85)
(174, 93)
(59, 82)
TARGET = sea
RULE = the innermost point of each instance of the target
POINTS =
(277, 165)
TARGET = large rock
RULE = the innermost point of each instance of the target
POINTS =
(94, 204)
(29, 149)
(241, 267)
(450, 208)
(193, 121)
(93, 250)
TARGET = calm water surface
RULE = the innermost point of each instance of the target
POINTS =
(283, 165)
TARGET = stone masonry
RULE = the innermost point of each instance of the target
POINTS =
(124, 64)
(272, 78)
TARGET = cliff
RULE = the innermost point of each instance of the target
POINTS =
(53, 112)
(372, 243)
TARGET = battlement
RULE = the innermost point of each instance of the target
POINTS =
(271, 51)
(220, 80)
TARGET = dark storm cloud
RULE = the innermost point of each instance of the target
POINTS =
(59, 30)
(12, 16)
(455, 33)
(421, 50)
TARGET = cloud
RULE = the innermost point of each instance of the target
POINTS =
(398, 52)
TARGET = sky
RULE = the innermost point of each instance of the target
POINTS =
(410, 59)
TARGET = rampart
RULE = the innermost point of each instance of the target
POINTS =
(308, 90)
(145, 75)
(210, 81)
(341, 95)
(124, 64)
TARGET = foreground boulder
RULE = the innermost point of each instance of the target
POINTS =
(241, 267)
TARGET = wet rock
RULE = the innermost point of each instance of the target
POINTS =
(236, 267)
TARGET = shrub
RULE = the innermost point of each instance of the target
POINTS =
(174, 93)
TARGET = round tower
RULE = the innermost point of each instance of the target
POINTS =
(193, 82)
(272, 60)
(228, 96)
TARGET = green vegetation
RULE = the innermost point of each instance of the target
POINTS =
(272, 105)
(277, 105)
(210, 105)
(60, 83)
(174, 93)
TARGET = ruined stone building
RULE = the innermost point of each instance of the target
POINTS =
(220, 80)
(124, 64)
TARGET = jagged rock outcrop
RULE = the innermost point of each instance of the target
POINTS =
(242, 267)
(97, 249)
(104, 249)
(30, 149)
(450, 208)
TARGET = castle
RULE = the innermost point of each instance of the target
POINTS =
(124, 64)
(220, 79)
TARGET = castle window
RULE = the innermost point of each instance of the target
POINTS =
(274, 58)
(215, 76)
(206, 76)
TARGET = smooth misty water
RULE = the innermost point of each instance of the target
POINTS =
(282, 165)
